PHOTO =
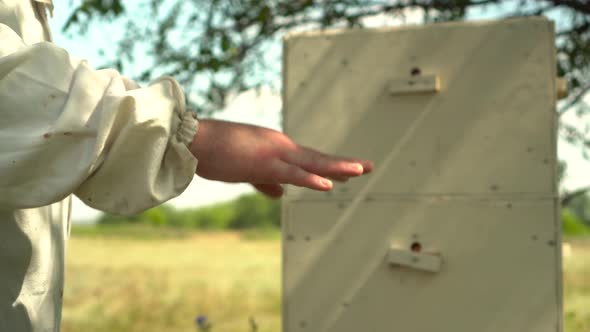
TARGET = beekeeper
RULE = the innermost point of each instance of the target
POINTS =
(66, 129)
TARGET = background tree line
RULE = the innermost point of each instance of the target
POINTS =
(252, 211)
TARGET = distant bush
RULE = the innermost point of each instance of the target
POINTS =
(580, 206)
(112, 219)
(254, 211)
(572, 225)
(251, 211)
(213, 217)
(160, 216)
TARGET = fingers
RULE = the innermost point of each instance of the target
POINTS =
(339, 178)
(309, 168)
(270, 190)
(367, 166)
(338, 168)
(283, 172)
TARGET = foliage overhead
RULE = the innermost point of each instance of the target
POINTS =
(217, 46)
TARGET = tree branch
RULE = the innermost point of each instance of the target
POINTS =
(574, 100)
(577, 29)
(580, 6)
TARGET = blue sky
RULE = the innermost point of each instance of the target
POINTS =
(264, 110)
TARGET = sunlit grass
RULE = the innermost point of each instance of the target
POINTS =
(119, 284)
(577, 287)
(155, 282)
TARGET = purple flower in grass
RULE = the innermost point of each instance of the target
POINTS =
(203, 323)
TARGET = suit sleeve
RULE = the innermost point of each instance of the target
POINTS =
(66, 128)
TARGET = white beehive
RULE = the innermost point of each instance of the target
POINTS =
(456, 230)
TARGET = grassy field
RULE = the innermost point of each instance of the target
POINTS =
(577, 286)
(146, 281)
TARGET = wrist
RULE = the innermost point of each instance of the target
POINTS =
(199, 142)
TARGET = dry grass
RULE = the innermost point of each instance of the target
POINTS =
(577, 287)
(128, 285)
(143, 285)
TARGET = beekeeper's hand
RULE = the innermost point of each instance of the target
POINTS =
(266, 158)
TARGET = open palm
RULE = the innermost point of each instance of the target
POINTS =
(266, 158)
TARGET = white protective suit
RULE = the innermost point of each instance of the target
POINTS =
(66, 129)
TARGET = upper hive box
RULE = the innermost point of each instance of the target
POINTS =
(459, 108)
